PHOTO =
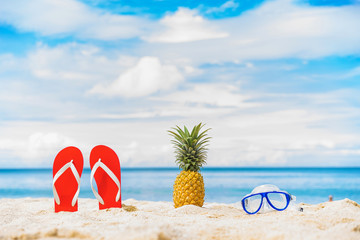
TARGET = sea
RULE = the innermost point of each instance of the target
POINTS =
(222, 185)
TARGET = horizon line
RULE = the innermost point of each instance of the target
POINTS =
(206, 168)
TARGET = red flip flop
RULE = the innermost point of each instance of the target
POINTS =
(105, 168)
(67, 170)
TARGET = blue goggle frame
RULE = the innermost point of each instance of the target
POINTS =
(265, 195)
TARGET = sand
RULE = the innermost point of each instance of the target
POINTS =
(29, 218)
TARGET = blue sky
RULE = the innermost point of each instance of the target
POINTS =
(277, 81)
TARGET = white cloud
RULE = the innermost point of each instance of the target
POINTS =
(69, 17)
(225, 6)
(144, 144)
(278, 137)
(51, 82)
(148, 76)
(353, 72)
(240, 137)
(211, 94)
(8, 62)
(66, 62)
(76, 62)
(40, 145)
(185, 25)
(37, 148)
(276, 29)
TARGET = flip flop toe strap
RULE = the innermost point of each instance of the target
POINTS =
(77, 177)
(111, 175)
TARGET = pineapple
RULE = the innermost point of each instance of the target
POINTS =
(190, 150)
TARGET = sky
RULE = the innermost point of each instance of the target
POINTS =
(278, 81)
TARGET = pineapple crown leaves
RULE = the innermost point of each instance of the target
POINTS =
(190, 148)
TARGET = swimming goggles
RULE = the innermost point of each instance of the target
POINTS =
(275, 199)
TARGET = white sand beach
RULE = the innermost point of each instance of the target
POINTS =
(29, 218)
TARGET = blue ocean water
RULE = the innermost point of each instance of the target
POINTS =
(226, 185)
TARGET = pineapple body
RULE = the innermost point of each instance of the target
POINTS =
(191, 153)
(189, 189)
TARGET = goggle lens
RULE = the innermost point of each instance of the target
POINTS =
(278, 200)
(253, 203)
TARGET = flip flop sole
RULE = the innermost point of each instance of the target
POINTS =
(66, 185)
(107, 188)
